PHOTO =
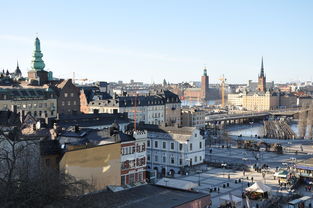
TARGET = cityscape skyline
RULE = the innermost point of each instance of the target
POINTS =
(118, 45)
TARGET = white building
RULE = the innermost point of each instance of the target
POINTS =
(170, 149)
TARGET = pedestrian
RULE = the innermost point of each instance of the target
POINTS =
(218, 190)
(248, 184)
(252, 179)
(228, 176)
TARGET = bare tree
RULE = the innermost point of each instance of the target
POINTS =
(24, 182)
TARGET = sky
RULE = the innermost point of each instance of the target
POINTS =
(152, 40)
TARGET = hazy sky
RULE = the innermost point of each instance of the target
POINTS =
(151, 40)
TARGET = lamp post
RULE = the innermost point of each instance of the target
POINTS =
(199, 172)
(223, 166)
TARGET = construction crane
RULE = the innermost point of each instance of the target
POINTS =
(74, 79)
(223, 80)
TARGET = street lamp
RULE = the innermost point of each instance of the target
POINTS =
(223, 166)
(199, 172)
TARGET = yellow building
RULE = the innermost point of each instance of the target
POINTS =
(255, 101)
(100, 166)
(260, 101)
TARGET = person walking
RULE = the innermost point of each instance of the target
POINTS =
(252, 179)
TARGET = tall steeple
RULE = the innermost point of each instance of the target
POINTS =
(17, 70)
(37, 62)
(262, 68)
(262, 79)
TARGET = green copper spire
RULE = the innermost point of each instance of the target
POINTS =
(37, 62)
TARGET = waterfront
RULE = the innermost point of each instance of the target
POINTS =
(253, 129)
(192, 103)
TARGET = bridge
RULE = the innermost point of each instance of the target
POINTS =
(252, 116)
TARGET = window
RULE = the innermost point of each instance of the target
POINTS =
(156, 144)
(148, 143)
(200, 145)
(156, 158)
(35, 105)
(180, 161)
(200, 158)
(172, 160)
(196, 158)
(195, 135)
(72, 94)
(190, 148)
(164, 145)
(180, 146)
(74, 102)
(172, 145)
(65, 94)
(164, 159)
(63, 103)
(148, 157)
(68, 102)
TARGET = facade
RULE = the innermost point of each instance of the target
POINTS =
(235, 99)
(159, 107)
(134, 158)
(99, 165)
(170, 149)
(260, 101)
(92, 93)
(39, 102)
(68, 97)
(172, 108)
(147, 109)
(193, 117)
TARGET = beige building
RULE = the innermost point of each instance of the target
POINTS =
(39, 102)
(235, 99)
(100, 166)
(193, 117)
(260, 101)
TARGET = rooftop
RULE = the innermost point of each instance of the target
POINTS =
(140, 197)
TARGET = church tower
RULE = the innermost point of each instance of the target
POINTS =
(205, 85)
(262, 79)
(37, 75)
